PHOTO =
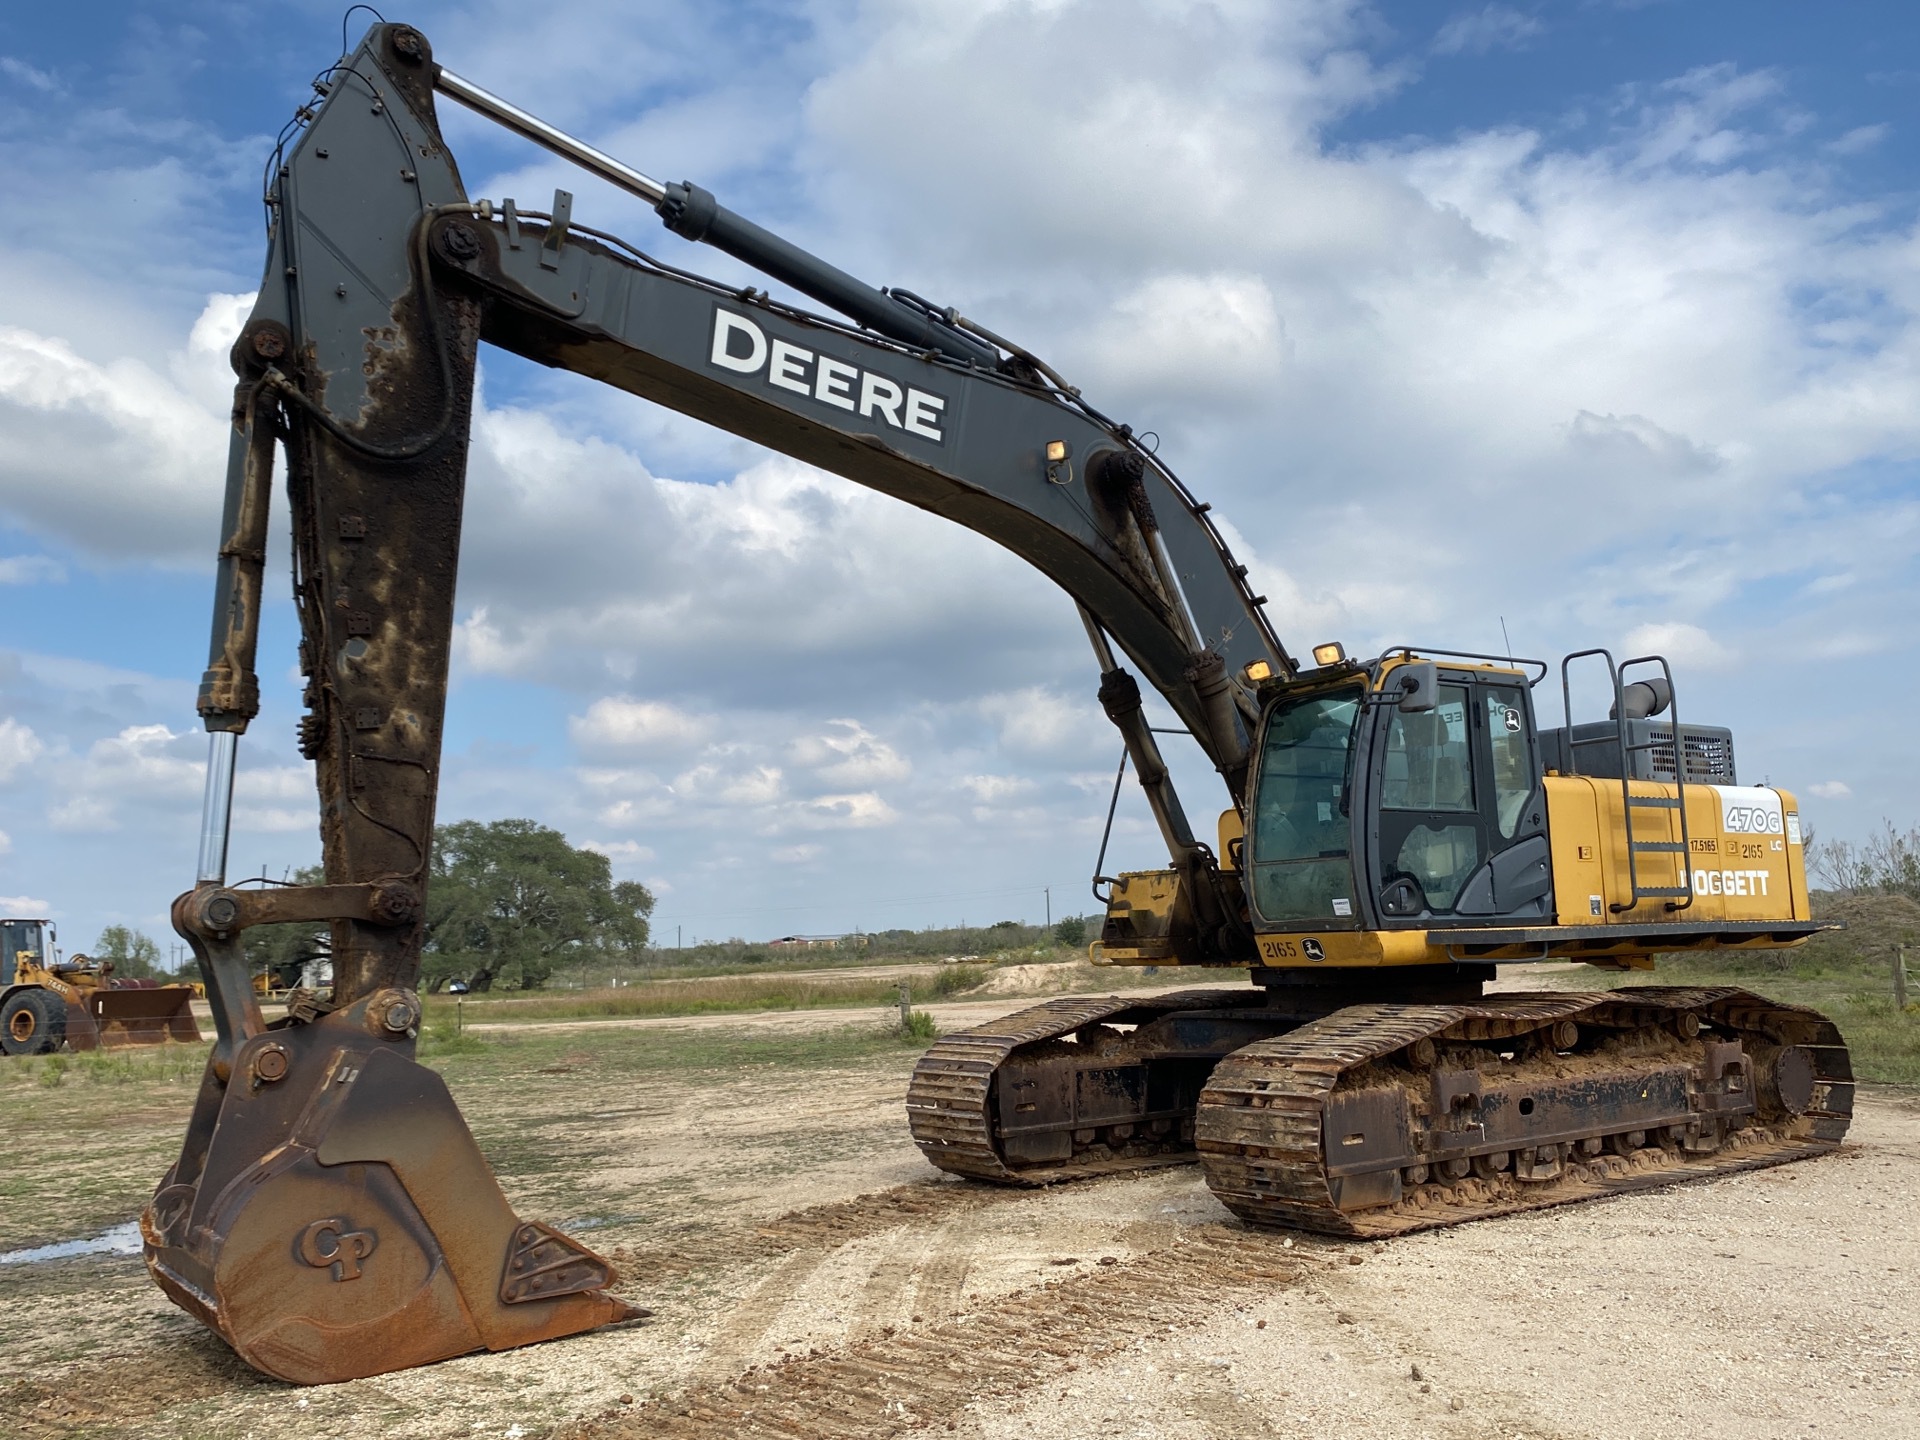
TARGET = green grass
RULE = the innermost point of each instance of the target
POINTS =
(919, 1026)
(170, 1064)
(701, 1055)
(446, 1038)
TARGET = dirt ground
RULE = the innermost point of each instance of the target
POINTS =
(811, 1275)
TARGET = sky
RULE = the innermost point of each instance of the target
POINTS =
(1529, 326)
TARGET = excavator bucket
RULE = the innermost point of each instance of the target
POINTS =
(331, 1216)
(111, 1019)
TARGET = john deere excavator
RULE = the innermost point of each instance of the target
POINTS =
(1396, 827)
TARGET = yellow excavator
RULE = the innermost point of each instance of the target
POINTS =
(73, 1001)
(1396, 826)
(1407, 825)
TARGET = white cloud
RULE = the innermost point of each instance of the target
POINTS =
(29, 75)
(850, 754)
(629, 852)
(31, 570)
(1203, 339)
(796, 854)
(620, 723)
(83, 815)
(1683, 644)
(860, 812)
(19, 747)
(6, 842)
(1636, 441)
(1492, 27)
(1859, 139)
(115, 459)
(273, 799)
(992, 789)
(1830, 789)
(1037, 721)
(24, 907)
(753, 786)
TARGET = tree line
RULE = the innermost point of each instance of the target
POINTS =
(507, 901)
(1887, 862)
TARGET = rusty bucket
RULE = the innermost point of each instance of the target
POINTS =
(332, 1217)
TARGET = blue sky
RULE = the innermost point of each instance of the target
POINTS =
(1596, 318)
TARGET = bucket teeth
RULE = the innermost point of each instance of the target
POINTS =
(543, 1264)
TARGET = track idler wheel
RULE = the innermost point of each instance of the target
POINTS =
(331, 1216)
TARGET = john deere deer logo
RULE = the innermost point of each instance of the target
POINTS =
(329, 1242)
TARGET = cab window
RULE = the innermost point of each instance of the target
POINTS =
(1301, 828)
(1429, 757)
(1512, 761)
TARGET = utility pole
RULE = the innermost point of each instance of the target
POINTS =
(1047, 890)
(676, 937)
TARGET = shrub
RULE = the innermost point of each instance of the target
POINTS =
(919, 1026)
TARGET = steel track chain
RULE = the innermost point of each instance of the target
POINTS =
(950, 1098)
(1260, 1129)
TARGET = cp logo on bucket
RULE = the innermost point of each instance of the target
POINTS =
(330, 1243)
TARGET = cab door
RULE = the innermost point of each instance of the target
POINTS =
(1460, 832)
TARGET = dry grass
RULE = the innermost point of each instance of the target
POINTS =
(722, 996)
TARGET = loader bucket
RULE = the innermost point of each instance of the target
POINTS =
(146, 1016)
(331, 1216)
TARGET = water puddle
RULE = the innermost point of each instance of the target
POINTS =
(120, 1240)
(598, 1222)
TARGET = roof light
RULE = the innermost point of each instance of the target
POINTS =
(1258, 670)
(1332, 653)
(1056, 451)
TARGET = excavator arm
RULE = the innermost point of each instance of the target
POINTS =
(330, 1213)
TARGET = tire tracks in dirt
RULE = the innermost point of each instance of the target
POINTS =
(938, 1286)
(749, 1320)
(911, 1377)
(818, 1227)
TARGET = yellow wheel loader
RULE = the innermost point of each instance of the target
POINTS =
(77, 1003)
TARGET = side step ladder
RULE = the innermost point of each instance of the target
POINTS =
(1678, 897)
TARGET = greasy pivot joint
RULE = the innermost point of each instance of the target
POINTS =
(393, 1012)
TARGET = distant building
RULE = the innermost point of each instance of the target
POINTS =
(818, 942)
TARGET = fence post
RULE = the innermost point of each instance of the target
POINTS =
(906, 1004)
(1900, 978)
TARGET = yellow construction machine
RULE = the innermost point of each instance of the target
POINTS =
(1397, 826)
(74, 1001)
(1406, 825)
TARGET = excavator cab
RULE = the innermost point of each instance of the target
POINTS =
(1397, 796)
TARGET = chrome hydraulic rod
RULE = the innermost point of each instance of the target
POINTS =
(531, 127)
(216, 811)
(693, 214)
